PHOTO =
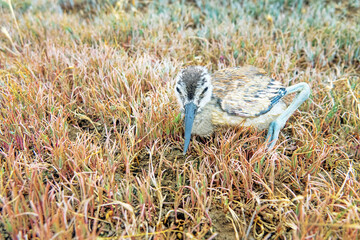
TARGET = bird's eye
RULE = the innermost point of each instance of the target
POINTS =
(203, 92)
(205, 89)
(178, 90)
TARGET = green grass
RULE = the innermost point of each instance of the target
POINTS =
(91, 138)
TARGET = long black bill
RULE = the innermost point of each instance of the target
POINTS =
(190, 110)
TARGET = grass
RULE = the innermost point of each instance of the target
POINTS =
(91, 138)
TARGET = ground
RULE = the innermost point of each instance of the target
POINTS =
(91, 135)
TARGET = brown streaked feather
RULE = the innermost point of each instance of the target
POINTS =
(246, 91)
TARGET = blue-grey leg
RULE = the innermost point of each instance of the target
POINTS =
(279, 123)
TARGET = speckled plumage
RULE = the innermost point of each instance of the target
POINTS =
(246, 91)
(212, 116)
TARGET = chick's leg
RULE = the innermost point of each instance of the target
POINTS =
(279, 123)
